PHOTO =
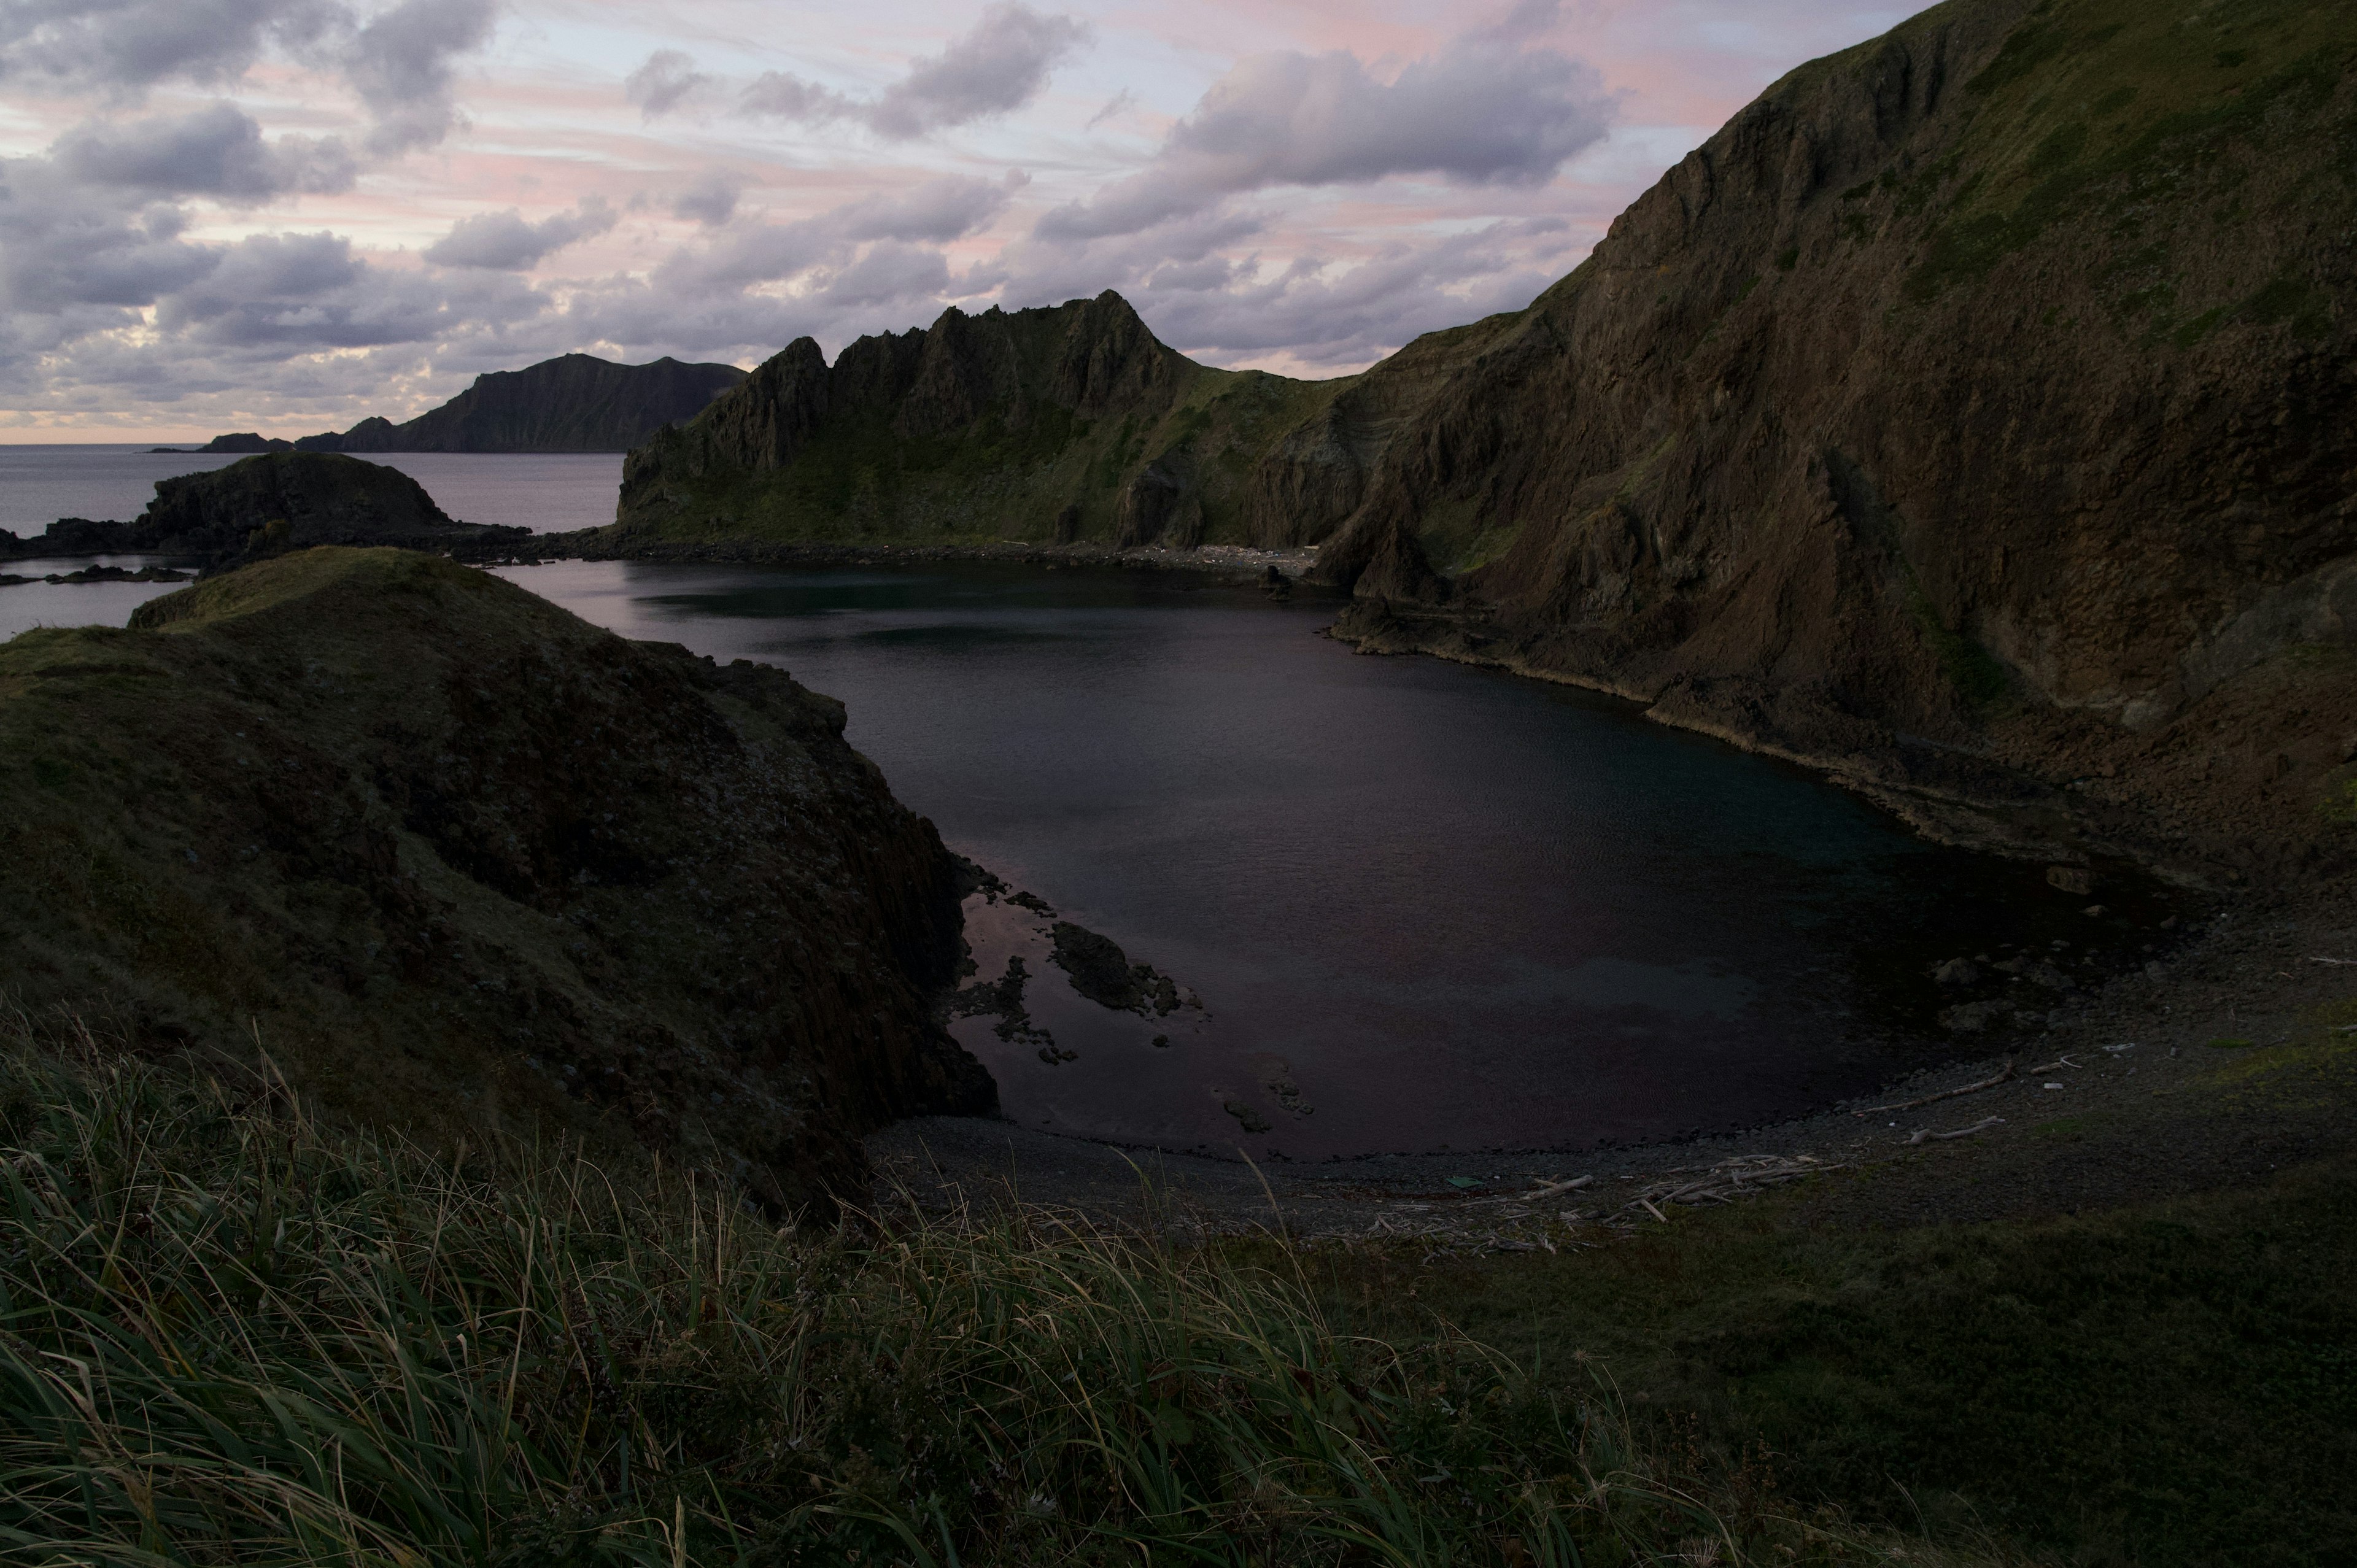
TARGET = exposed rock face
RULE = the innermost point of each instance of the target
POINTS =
(1992, 382)
(1068, 422)
(459, 857)
(575, 403)
(266, 505)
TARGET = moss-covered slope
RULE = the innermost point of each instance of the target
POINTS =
(451, 855)
(1060, 423)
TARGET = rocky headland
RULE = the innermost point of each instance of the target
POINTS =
(1970, 417)
(269, 504)
(454, 859)
(1054, 427)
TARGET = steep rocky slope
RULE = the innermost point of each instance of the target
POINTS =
(1060, 423)
(575, 403)
(452, 856)
(1988, 386)
(270, 504)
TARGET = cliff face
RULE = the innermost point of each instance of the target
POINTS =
(460, 858)
(572, 404)
(270, 504)
(1990, 383)
(1064, 422)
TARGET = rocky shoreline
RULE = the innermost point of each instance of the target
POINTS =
(2235, 1056)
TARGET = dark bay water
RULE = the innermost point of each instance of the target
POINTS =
(1424, 907)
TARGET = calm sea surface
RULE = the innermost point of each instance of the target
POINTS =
(547, 492)
(1423, 907)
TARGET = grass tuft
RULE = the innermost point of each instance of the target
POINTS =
(230, 1333)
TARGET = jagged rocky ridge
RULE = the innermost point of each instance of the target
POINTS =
(453, 857)
(1060, 423)
(269, 504)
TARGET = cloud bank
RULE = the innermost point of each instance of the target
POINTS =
(338, 207)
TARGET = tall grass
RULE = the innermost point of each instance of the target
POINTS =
(230, 1333)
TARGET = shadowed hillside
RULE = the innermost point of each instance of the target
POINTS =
(454, 857)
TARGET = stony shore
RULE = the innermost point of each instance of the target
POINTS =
(2235, 1057)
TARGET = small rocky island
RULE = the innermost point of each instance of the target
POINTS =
(270, 504)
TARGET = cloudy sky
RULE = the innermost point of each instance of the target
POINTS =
(288, 214)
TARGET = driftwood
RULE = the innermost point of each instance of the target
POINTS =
(1983, 1125)
(1946, 1093)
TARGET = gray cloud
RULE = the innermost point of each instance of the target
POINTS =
(998, 65)
(217, 151)
(667, 79)
(711, 200)
(400, 65)
(397, 58)
(1483, 111)
(119, 45)
(504, 242)
(947, 208)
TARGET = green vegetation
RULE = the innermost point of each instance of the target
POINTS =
(230, 1334)
(2135, 105)
(2162, 1383)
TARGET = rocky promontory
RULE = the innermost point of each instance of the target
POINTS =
(273, 503)
(1059, 425)
(453, 858)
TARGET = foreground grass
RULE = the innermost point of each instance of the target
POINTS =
(227, 1334)
(2166, 1384)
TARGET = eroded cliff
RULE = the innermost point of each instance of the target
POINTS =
(1990, 385)
(452, 856)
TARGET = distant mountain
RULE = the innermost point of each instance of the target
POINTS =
(575, 402)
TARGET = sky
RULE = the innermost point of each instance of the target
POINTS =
(287, 215)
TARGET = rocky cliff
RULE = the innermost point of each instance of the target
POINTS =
(270, 504)
(453, 857)
(1976, 412)
(1059, 423)
(575, 403)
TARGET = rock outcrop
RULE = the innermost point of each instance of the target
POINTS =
(575, 402)
(1064, 424)
(455, 858)
(270, 504)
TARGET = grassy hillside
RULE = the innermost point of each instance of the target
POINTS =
(458, 860)
(233, 1336)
